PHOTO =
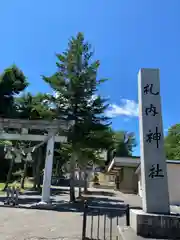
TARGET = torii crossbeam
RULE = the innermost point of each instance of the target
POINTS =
(52, 127)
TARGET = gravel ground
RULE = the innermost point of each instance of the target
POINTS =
(66, 223)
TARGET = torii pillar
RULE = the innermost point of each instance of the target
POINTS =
(46, 189)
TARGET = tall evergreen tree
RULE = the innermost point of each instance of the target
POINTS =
(77, 99)
(12, 82)
(124, 143)
(34, 107)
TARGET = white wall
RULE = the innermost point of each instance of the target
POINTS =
(173, 172)
(139, 186)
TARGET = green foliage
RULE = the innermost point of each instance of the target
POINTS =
(84, 157)
(76, 85)
(172, 143)
(88, 156)
(12, 82)
(5, 143)
(124, 143)
(77, 98)
(34, 107)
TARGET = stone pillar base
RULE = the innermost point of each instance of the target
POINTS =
(155, 225)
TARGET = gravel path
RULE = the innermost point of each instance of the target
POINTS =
(65, 224)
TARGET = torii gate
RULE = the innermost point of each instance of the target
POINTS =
(52, 127)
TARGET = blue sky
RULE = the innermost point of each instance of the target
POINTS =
(126, 35)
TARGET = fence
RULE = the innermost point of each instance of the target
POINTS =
(98, 217)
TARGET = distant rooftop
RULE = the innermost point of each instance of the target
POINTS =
(133, 161)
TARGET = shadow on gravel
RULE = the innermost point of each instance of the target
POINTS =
(101, 193)
(99, 202)
(54, 192)
(96, 206)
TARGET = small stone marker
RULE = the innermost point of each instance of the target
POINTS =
(155, 195)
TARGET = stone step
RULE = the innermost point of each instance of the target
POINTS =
(127, 233)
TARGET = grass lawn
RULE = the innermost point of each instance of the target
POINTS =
(27, 185)
(1, 188)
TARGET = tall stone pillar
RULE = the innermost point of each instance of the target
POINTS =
(153, 161)
(154, 220)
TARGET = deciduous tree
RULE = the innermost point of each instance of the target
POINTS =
(172, 143)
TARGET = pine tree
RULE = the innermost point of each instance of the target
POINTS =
(12, 82)
(77, 99)
(34, 107)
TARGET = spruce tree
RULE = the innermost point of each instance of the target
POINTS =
(12, 82)
(76, 86)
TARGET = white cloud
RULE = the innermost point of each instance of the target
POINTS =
(166, 130)
(128, 108)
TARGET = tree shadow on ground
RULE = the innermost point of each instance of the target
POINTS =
(31, 192)
(96, 206)
(101, 193)
(58, 191)
(22, 201)
(94, 200)
(32, 197)
(99, 202)
(54, 192)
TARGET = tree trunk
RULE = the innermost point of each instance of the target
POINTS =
(38, 166)
(85, 181)
(24, 174)
(34, 169)
(57, 168)
(80, 179)
(9, 173)
(72, 171)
